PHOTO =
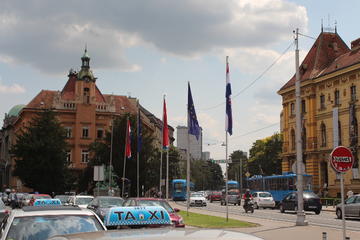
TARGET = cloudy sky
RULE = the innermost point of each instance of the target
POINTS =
(147, 48)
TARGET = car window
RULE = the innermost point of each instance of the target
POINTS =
(357, 200)
(310, 195)
(126, 203)
(264, 195)
(43, 227)
(163, 204)
(255, 194)
(83, 201)
(350, 200)
(107, 202)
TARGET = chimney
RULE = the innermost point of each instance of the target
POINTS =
(355, 44)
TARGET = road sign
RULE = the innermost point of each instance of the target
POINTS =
(99, 173)
(247, 174)
(221, 161)
(341, 159)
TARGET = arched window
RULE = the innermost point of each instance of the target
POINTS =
(292, 136)
(304, 138)
(323, 134)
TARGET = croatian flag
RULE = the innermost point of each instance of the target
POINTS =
(228, 117)
(128, 140)
(165, 128)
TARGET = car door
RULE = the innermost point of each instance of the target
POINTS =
(357, 207)
(286, 201)
(349, 205)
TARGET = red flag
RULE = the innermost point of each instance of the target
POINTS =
(165, 128)
(128, 140)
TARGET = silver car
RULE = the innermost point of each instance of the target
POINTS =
(352, 207)
(40, 223)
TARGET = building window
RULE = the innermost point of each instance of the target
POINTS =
(353, 93)
(339, 133)
(292, 109)
(84, 156)
(85, 132)
(337, 97)
(68, 157)
(100, 133)
(323, 135)
(322, 101)
(68, 131)
(304, 138)
(303, 106)
(292, 139)
(87, 95)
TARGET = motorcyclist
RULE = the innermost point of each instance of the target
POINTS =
(247, 197)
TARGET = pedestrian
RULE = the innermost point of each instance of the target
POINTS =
(349, 194)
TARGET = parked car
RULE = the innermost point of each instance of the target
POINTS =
(63, 198)
(352, 207)
(26, 199)
(101, 205)
(80, 200)
(215, 196)
(233, 197)
(197, 199)
(38, 196)
(311, 202)
(3, 210)
(263, 199)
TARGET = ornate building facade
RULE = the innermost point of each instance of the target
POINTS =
(330, 83)
(84, 112)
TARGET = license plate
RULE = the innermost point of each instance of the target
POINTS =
(312, 206)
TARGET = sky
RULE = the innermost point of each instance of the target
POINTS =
(148, 48)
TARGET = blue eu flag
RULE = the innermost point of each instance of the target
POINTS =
(193, 124)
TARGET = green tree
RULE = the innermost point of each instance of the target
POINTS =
(234, 167)
(265, 156)
(206, 175)
(149, 160)
(40, 153)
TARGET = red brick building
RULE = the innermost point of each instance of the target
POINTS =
(83, 111)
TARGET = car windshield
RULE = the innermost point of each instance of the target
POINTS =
(83, 200)
(310, 195)
(62, 198)
(43, 227)
(232, 193)
(107, 202)
(42, 197)
(216, 193)
(163, 204)
(265, 195)
(196, 195)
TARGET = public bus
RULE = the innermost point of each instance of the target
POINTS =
(178, 189)
(278, 185)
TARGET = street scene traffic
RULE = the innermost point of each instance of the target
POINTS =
(166, 119)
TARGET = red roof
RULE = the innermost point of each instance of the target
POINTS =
(327, 48)
(43, 99)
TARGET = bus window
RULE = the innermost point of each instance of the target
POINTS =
(178, 187)
(291, 183)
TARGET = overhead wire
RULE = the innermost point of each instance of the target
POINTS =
(255, 80)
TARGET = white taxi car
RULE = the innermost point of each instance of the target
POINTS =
(47, 219)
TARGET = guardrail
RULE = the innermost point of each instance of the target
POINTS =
(330, 201)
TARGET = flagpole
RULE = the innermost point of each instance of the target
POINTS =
(111, 153)
(188, 168)
(138, 153)
(126, 139)
(226, 177)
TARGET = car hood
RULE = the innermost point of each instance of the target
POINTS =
(197, 198)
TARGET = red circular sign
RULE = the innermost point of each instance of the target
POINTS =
(341, 159)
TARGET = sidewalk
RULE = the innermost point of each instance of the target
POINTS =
(278, 230)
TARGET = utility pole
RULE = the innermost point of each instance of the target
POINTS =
(300, 220)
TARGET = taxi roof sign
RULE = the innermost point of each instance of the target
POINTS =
(47, 202)
(141, 215)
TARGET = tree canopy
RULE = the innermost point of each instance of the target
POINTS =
(40, 152)
(265, 156)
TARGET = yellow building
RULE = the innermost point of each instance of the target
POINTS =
(330, 77)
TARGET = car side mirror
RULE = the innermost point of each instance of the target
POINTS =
(176, 210)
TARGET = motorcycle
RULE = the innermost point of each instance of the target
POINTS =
(249, 206)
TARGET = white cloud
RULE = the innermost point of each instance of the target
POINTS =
(47, 35)
(14, 88)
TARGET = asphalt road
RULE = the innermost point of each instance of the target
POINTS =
(325, 218)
